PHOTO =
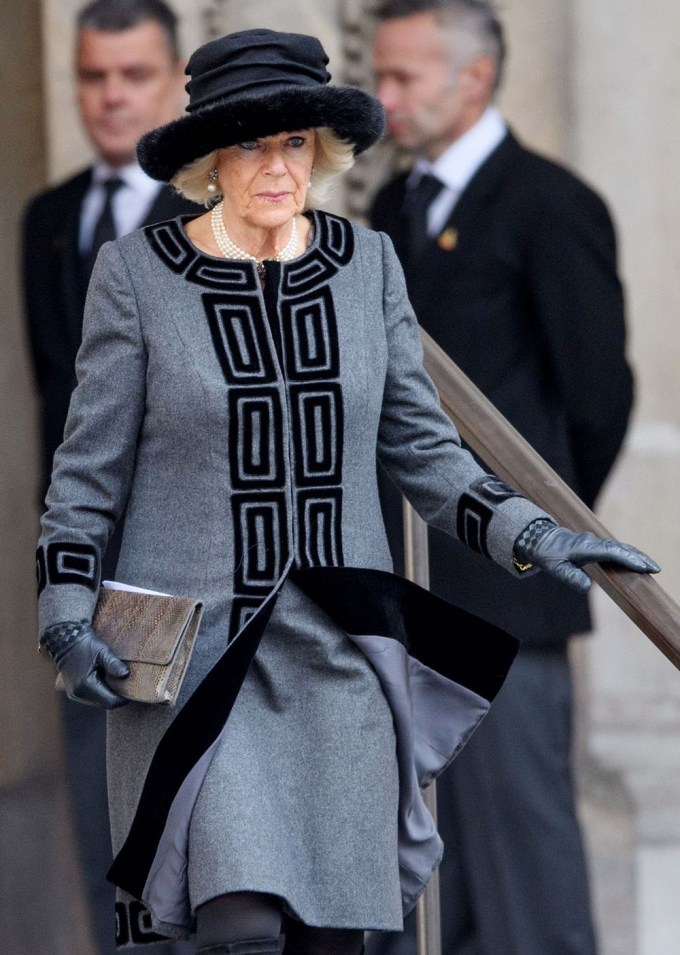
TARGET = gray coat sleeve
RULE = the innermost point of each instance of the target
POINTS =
(420, 447)
(94, 465)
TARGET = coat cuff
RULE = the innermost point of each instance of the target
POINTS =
(68, 583)
(489, 517)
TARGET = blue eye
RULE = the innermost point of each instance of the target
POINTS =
(296, 141)
(249, 144)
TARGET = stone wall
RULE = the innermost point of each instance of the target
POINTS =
(40, 903)
(21, 162)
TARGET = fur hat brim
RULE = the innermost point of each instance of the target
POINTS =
(353, 115)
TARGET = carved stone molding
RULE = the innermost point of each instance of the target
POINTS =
(358, 21)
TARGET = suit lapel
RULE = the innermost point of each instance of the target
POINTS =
(73, 281)
(483, 185)
(424, 279)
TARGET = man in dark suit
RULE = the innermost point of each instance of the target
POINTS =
(510, 262)
(129, 80)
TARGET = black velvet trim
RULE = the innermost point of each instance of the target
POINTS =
(317, 421)
(133, 925)
(256, 448)
(311, 337)
(472, 523)
(320, 528)
(242, 609)
(334, 249)
(40, 569)
(492, 489)
(171, 245)
(192, 732)
(71, 563)
(451, 641)
(476, 509)
(336, 238)
(260, 541)
(312, 270)
(228, 276)
(238, 332)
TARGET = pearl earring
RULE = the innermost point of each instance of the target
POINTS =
(212, 183)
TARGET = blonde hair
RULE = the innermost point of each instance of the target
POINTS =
(332, 156)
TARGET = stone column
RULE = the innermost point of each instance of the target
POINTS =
(627, 139)
(535, 97)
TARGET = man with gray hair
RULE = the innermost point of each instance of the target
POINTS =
(129, 80)
(510, 263)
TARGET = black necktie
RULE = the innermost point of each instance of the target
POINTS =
(414, 212)
(104, 228)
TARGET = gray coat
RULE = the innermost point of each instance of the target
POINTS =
(241, 428)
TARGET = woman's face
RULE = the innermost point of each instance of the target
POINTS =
(265, 180)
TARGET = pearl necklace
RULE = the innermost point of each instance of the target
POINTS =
(230, 250)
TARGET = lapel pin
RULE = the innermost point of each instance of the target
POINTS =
(448, 240)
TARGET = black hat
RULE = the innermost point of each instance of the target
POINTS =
(257, 83)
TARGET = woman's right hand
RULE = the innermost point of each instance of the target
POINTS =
(561, 553)
(83, 659)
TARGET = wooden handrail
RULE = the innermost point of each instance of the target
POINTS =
(511, 457)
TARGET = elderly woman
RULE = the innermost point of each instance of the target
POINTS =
(240, 372)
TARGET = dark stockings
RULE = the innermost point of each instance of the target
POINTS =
(307, 940)
(239, 917)
(245, 922)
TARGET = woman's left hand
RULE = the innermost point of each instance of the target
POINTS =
(561, 553)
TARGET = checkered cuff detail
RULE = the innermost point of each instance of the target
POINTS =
(58, 638)
(527, 540)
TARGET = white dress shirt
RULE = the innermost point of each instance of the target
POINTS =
(129, 205)
(457, 165)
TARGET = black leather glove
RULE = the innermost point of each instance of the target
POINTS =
(561, 553)
(82, 658)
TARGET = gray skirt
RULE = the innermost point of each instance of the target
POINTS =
(301, 797)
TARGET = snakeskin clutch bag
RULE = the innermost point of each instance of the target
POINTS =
(154, 634)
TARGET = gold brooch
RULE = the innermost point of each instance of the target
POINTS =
(448, 240)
